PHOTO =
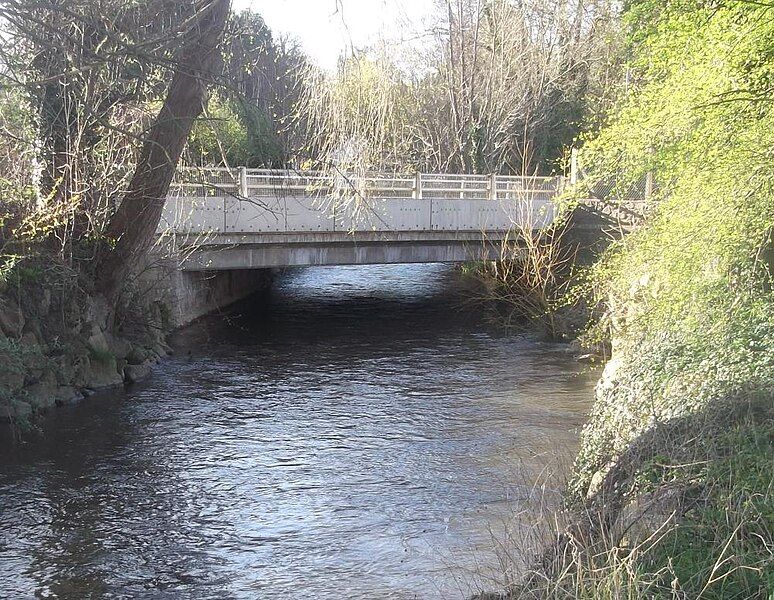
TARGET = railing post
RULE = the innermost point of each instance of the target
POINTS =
(573, 166)
(493, 187)
(418, 185)
(243, 182)
(648, 185)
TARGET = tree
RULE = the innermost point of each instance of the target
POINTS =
(83, 71)
(515, 77)
(133, 226)
(506, 87)
(247, 121)
(360, 118)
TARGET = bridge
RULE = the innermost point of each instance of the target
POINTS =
(226, 228)
(226, 219)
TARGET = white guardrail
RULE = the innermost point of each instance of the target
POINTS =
(243, 182)
(242, 201)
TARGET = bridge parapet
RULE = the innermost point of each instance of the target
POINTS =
(252, 201)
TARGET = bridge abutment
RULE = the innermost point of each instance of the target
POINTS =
(189, 295)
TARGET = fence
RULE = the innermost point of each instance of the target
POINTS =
(610, 189)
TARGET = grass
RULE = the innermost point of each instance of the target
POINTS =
(723, 547)
(687, 512)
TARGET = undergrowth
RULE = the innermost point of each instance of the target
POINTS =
(671, 493)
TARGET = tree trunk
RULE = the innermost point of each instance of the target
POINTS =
(133, 226)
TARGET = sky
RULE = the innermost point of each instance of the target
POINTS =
(326, 28)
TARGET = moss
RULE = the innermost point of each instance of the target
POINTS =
(12, 368)
(102, 356)
(165, 315)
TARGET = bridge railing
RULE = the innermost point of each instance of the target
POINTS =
(261, 183)
(263, 201)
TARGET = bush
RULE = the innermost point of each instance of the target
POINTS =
(676, 490)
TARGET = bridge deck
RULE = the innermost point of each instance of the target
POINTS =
(256, 218)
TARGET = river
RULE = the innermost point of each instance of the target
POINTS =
(357, 432)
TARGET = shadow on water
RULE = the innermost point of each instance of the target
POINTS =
(351, 433)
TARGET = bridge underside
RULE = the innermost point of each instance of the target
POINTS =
(230, 252)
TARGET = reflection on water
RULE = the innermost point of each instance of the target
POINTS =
(352, 435)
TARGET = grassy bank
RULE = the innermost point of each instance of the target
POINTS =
(671, 493)
(689, 297)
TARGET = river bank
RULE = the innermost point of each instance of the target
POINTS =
(57, 347)
(60, 343)
(672, 496)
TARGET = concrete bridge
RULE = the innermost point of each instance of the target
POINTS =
(235, 219)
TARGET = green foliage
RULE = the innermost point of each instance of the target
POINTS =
(101, 355)
(17, 189)
(16, 272)
(263, 146)
(12, 364)
(690, 120)
(234, 134)
(243, 121)
(218, 136)
(719, 547)
(18, 361)
(7, 264)
(689, 297)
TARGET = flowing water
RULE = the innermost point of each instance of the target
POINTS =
(353, 434)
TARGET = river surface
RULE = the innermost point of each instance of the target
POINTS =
(354, 433)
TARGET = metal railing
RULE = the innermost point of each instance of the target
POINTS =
(253, 183)
(218, 200)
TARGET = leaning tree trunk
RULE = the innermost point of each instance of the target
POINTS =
(132, 228)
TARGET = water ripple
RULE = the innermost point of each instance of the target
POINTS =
(351, 435)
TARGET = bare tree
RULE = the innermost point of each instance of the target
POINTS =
(86, 76)
(503, 88)
(515, 77)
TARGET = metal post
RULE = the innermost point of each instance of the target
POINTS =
(648, 184)
(243, 182)
(493, 187)
(649, 174)
(573, 166)
(418, 185)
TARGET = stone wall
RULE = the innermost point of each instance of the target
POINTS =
(59, 344)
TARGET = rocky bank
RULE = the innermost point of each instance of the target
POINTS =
(59, 345)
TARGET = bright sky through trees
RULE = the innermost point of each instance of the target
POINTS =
(326, 28)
